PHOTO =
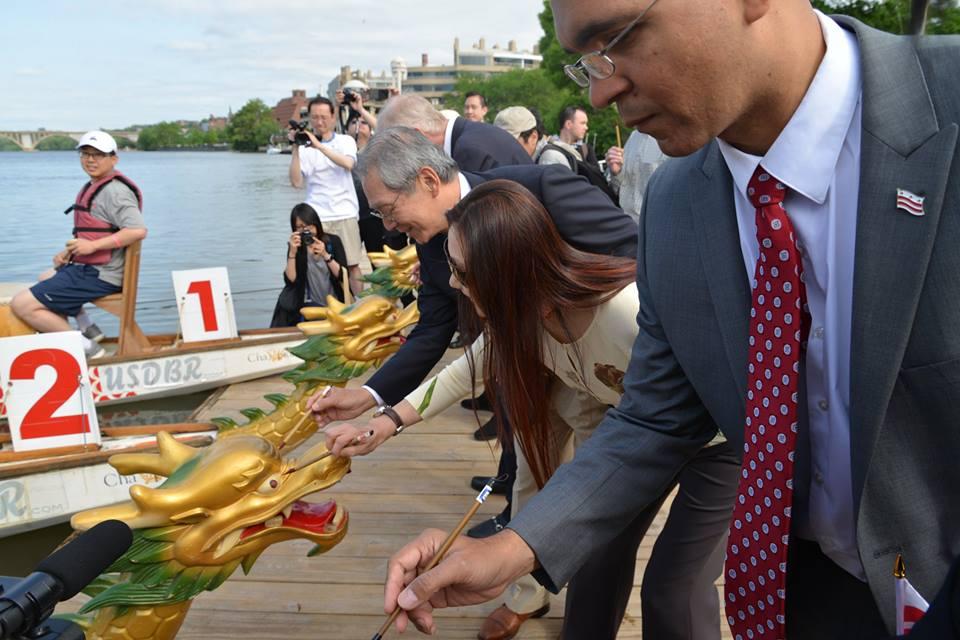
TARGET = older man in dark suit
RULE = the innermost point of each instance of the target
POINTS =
(476, 146)
(798, 291)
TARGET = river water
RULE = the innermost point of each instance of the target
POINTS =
(202, 209)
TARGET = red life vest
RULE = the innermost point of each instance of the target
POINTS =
(86, 226)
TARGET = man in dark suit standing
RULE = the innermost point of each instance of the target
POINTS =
(476, 146)
(798, 283)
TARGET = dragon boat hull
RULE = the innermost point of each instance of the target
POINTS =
(187, 368)
(47, 491)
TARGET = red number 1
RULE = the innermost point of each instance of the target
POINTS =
(39, 421)
(204, 291)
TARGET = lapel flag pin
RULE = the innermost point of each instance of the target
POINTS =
(910, 202)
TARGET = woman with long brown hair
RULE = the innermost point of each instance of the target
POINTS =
(553, 320)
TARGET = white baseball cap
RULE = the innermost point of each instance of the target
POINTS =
(100, 140)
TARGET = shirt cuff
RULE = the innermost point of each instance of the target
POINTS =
(376, 396)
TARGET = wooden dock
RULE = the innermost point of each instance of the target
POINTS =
(415, 481)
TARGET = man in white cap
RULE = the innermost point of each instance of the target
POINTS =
(106, 218)
(523, 125)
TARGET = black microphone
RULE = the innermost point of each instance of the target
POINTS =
(60, 576)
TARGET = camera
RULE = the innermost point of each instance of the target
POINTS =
(306, 237)
(349, 95)
(300, 127)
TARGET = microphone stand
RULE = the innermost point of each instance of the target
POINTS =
(46, 629)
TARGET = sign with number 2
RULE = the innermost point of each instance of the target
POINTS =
(47, 391)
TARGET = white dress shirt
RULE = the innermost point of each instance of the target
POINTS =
(817, 155)
(448, 137)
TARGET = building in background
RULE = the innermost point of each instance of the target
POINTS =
(375, 87)
(291, 108)
(433, 81)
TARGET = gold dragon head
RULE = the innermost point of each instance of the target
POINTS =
(397, 271)
(367, 330)
(228, 501)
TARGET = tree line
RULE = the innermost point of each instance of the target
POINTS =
(248, 129)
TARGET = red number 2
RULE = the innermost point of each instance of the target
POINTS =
(204, 291)
(39, 421)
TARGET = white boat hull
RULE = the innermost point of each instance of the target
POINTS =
(175, 372)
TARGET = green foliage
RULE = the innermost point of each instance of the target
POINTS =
(124, 143)
(6, 144)
(164, 135)
(893, 16)
(251, 126)
(57, 143)
(547, 89)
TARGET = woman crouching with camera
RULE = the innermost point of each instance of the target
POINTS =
(314, 267)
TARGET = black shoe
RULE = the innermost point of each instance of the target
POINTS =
(488, 527)
(477, 483)
(486, 432)
(481, 403)
(457, 342)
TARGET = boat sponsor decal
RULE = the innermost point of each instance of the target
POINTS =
(270, 355)
(126, 379)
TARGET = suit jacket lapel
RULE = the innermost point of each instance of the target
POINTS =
(714, 215)
(902, 146)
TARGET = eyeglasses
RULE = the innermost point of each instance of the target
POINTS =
(457, 272)
(386, 217)
(93, 155)
(597, 64)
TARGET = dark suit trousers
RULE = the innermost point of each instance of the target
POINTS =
(678, 598)
(824, 602)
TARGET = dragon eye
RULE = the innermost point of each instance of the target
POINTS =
(270, 485)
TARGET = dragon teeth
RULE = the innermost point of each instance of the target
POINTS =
(287, 511)
(229, 542)
(275, 521)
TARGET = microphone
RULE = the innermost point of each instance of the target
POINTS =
(60, 576)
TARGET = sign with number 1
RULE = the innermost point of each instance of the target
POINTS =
(205, 304)
(47, 391)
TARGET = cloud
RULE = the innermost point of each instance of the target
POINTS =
(188, 45)
(29, 72)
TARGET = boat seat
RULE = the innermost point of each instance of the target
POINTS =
(132, 340)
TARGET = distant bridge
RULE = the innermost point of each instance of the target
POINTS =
(28, 140)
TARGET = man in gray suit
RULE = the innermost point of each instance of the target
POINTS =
(858, 130)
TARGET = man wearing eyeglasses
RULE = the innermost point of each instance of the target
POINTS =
(107, 218)
(798, 286)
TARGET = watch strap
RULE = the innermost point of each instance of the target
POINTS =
(390, 412)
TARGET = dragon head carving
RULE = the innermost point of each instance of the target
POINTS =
(345, 341)
(396, 273)
(221, 506)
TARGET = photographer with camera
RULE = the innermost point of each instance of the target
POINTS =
(354, 100)
(322, 160)
(314, 267)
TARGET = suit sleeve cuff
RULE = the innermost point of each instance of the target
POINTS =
(376, 396)
(540, 575)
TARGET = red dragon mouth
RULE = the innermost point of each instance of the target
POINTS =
(311, 517)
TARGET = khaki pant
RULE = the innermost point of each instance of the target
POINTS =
(573, 415)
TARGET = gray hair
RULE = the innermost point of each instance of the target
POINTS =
(411, 110)
(398, 154)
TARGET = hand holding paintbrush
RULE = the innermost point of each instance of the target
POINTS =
(414, 568)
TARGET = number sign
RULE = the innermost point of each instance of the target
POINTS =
(47, 391)
(205, 304)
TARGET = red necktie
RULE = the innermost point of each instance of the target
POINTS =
(755, 570)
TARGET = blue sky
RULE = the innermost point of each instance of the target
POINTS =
(82, 65)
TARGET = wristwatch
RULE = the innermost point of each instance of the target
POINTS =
(387, 410)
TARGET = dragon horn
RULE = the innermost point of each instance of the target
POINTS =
(172, 455)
